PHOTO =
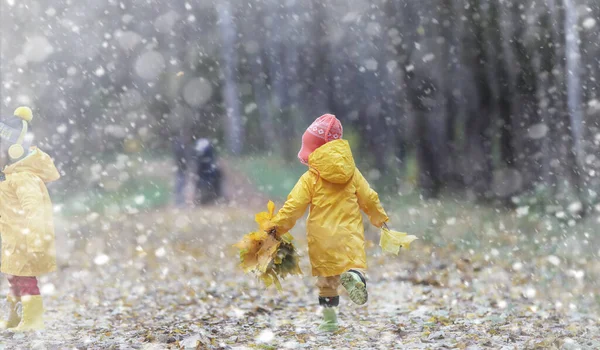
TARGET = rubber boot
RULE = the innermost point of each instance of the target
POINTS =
(330, 321)
(33, 314)
(13, 318)
(356, 286)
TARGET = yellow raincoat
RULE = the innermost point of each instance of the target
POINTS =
(26, 222)
(336, 192)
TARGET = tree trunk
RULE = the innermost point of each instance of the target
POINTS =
(256, 65)
(574, 96)
(234, 132)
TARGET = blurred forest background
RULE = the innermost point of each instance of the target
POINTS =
(489, 98)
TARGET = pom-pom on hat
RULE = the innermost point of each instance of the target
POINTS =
(325, 129)
(24, 113)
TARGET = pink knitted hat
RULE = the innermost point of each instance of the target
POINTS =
(326, 128)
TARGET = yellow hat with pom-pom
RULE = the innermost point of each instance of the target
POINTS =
(16, 150)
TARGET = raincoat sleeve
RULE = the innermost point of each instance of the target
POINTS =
(32, 201)
(295, 206)
(368, 200)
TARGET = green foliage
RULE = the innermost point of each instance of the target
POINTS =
(135, 194)
(271, 175)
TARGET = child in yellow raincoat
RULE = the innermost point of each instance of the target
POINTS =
(26, 223)
(336, 192)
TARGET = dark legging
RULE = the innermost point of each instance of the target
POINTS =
(22, 286)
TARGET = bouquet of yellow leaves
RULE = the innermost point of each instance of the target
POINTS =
(266, 255)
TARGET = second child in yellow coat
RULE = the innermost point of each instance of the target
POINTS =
(335, 192)
(26, 223)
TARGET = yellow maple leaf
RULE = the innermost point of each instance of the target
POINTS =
(270, 279)
(249, 248)
(257, 236)
(267, 253)
(263, 219)
(392, 241)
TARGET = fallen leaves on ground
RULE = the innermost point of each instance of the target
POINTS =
(170, 280)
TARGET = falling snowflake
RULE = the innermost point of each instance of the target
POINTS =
(522, 211)
(99, 72)
(62, 128)
(101, 259)
(48, 289)
(371, 64)
(554, 260)
(160, 252)
(575, 207)
(251, 107)
(139, 200)
(589, 23)
(538, 131)
(428, 57)
(392, 65)
(530, 293)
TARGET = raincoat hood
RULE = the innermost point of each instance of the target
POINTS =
(37, 163)
(333, 162)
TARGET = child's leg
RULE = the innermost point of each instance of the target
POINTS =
(29, 286)
(33, 310)
(355, 283)
(361, 272)
(329, 299)
(13, 298)
(328, 290)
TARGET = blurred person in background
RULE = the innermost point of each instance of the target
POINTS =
(208, 174)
